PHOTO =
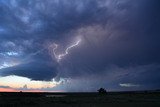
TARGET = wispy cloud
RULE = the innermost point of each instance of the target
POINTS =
(129, 85)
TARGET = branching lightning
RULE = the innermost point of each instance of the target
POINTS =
(60, 56)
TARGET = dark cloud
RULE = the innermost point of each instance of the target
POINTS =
(122, 34)
(33, 70)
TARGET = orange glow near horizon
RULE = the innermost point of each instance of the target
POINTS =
(8, 90)
(20, 82)
(15, 90)
(17, 84)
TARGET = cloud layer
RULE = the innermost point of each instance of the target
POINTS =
(120, 42)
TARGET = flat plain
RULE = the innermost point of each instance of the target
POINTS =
(111, 99)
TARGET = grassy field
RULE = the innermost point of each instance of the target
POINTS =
(116, 99)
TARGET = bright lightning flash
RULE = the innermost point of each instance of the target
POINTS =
(60, 56)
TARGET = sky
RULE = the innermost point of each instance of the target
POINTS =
(79, 45)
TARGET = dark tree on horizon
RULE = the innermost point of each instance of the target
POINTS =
(102, 91)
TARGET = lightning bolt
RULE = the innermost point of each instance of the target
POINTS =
(59, 57)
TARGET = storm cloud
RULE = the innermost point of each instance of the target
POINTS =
(119, 42)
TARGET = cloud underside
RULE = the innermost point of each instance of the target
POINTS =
(119, 41)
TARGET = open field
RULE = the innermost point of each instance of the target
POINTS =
(112, 99)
